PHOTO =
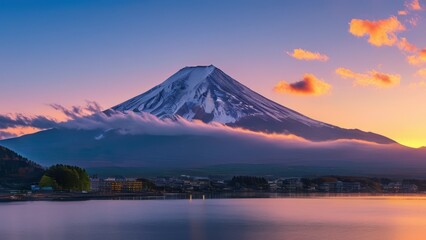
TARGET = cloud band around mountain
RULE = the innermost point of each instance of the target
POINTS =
(39, 122)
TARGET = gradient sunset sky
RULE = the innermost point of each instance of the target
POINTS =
(355, 64)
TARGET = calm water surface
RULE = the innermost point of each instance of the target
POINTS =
(285, 218)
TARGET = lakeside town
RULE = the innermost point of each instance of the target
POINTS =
(186, 186)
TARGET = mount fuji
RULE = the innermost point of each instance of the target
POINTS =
(202, 121)
(206, 93)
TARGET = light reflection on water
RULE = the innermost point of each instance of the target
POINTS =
(279, 218)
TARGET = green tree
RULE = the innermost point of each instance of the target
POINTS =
(46, 181)
(69, 177)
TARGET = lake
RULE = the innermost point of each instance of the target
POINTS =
(383, 218)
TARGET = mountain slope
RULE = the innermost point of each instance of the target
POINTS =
(16, 171)
(163, 153)
(208, 94)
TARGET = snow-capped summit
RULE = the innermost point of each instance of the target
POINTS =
(208, 94)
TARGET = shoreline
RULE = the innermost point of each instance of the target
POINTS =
(60, 196)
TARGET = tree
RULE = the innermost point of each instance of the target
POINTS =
(46, 181)
(68, 177)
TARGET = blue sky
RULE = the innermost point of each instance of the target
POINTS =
(108, 51)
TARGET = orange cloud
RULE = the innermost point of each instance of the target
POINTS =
(402, 13)
(421, 73)
(373, 77)
(309, 85)
(306, 55)
(406, 46)
(418, 58)
(420, 84)
(414, 5)
(381, 32)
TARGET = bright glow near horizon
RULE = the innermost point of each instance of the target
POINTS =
(67, 52)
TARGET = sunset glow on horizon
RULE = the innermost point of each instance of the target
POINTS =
(353, 64)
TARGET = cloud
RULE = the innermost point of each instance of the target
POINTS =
(414, 5)
(384, 32)
(11, 122)
(417, 59)
(381, 32)
(373, 77)
(131, 123)
(4, 135)
(43, 122)
(402, 13)
(406, 46)
(413, 20)
(306, 55)
(78, 111)
(20, 120)
(309, 85)
(419, 84)
(421, 73)
(142, 123)
(236, 145)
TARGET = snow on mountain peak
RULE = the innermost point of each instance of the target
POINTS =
(206, 93)
(192, 75)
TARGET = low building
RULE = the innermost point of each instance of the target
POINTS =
(392, 187)
(37, 188)
(409, 188)
(125, 185)
(340, 187)
(273, 185)
(292, 185)
(351, 187)
(94, 184)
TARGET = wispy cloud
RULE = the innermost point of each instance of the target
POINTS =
(10, 122)
(309, 85)
(406, 46)
(306, 55)
(418, 58)
(73, 112)
(20, 120)
(381, 32)
(414, 5)
(413, 20)
(421, 73)
(373, 77)
(402, 13)
(5, 134)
